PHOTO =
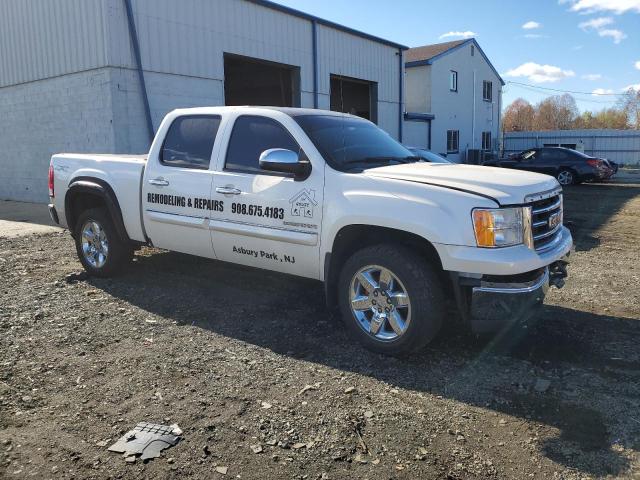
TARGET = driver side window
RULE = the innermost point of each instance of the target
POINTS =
(251, 136)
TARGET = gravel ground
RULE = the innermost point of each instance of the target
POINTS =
(242, 358)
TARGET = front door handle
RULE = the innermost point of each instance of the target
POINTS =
(228, 190)
(159, 182)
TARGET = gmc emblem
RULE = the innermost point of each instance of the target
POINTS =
(554, 220)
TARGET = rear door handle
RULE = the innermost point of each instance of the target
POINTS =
(228, 190)
(159, 182)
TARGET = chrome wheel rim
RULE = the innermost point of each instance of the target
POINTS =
(565, 178)
(380, 303)
(95, 245)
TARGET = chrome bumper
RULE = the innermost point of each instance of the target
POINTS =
(495, 304)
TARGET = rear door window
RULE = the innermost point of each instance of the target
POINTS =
(189, 141)
(251, 136)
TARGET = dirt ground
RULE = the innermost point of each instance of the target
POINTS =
(240, 358)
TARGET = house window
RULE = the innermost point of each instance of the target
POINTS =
(486, 140)
(472, 50)
(487, 91)
(453, 81)
(452, 141)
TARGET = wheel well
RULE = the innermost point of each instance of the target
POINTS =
(354, 237)
(79, 202)
(87, 192)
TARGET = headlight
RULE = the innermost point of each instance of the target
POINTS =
(500, 227)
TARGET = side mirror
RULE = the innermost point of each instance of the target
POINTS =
(285, 161)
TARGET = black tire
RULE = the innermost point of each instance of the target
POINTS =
(119, 251)
(420, 280)
(567, 177)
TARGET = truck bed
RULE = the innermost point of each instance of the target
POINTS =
(123, 173)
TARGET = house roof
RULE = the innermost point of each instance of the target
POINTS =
(427, 54)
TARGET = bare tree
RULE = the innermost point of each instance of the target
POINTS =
(556, 113)
(630, 104)
(519, 116)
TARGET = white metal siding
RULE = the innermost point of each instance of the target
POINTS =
(189, 37)
(41, 39)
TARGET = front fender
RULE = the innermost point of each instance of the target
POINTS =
(440, 215)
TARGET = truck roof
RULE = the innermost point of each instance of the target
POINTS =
(291, 111)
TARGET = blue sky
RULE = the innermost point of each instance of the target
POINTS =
(578, 45)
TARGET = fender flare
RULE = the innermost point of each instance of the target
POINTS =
(102, 189)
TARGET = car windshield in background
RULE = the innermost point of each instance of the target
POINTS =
(428, 156)
(349, 143)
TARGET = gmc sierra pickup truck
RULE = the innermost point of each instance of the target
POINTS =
(331, 197)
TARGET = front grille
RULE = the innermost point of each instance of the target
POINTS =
(545, 236)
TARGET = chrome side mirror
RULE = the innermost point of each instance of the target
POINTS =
(285, 161)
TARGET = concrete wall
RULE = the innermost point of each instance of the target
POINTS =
(40, 118)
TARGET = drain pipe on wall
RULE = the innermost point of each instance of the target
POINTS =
(314, 43)
(473, 115)
(133, 34)
(400, 93)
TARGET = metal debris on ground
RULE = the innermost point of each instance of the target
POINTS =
(147, 440)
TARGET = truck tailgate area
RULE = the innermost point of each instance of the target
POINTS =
(122, 174)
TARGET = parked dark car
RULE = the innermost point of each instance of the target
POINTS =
(568, 166)
(611, 167)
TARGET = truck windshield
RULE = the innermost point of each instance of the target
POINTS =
(348, 143)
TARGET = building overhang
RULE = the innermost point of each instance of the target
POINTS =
(419, 117)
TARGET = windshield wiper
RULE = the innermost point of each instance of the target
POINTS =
(407, 159)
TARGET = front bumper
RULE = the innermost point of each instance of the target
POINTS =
(494, 302)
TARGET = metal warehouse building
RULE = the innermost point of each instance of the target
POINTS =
(621, 146)
(99, 75)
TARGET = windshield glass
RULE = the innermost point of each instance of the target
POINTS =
(348, 143)
(429, 156)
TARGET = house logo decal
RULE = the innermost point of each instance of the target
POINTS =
(303, 203)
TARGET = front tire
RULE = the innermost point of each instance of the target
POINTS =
(390, 299)
(99, 247)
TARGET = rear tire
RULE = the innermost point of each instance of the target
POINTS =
(99, 247)
(566, 177)
(390, 299)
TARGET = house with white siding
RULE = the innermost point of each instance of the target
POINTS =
(452, 99)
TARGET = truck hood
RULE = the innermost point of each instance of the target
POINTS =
(505, 186)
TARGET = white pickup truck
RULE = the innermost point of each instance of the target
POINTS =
(331, 197)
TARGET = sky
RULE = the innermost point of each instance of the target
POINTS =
(589, 46)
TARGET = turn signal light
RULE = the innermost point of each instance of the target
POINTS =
(484, 227)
